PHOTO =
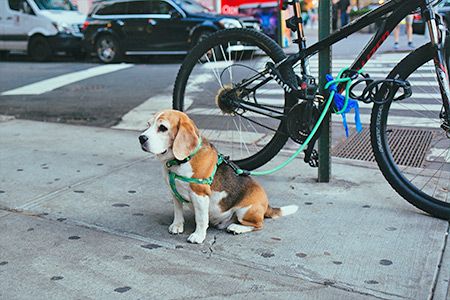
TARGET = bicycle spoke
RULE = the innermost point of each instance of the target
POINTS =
(228, 105)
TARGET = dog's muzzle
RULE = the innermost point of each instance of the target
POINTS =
(143, 140)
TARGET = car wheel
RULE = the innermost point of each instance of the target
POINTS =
(108, 49)
(39, 49)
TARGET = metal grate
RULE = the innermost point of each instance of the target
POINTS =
(408, 146)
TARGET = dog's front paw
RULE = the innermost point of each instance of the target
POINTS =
(196, 238)
(176, 228)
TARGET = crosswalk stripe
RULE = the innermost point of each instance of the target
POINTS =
(395, 121)
(394, 106)
(365, 119)
(138, 116)
(48, 85)
(245, 137)
(267, 93)
(271, 93)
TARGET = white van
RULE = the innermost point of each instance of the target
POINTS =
(40, 27)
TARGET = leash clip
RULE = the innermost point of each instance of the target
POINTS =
(238, 171)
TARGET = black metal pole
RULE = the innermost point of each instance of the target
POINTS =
(324, 68)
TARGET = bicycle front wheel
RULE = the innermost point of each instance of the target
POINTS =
(410, 147)
(210, 83)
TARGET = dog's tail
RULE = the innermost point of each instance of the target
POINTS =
(275, 212)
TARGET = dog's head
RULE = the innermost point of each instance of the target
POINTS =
(170, 133)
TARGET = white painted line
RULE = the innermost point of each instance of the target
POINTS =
(403, 106)
(231, 136)
(59, 81)
(214, 111)
(265, 93)
(408, 106)
(394, 121)
(136, 119)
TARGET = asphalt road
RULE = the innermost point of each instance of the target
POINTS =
(104, 99)
(98, 101)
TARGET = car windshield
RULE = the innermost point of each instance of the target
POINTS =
(193, 7)
(55, 5)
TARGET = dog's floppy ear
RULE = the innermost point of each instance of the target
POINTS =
(186, 139)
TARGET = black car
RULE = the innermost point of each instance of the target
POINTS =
(115, 28)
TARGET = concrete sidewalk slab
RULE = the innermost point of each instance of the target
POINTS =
(43, 259)
(41, 158)
(352, 238)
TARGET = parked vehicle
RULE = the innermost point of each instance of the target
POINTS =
(40, 27)
(442, 8)
(116, 28)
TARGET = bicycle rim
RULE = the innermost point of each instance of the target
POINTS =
(411, 149)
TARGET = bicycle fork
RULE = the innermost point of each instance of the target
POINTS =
(438, 35)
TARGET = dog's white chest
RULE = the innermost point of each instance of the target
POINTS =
(216, 215)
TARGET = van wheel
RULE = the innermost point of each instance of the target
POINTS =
(108, 49)
(39, 49)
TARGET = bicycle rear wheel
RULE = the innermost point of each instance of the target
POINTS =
(219, 64)
(411, 149)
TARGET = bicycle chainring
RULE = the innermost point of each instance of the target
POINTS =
(301, 120)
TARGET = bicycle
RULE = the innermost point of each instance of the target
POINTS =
(259, 101)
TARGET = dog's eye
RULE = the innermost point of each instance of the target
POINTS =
(162, 128)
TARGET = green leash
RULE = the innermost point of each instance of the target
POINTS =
(220, 159)
(338, 79)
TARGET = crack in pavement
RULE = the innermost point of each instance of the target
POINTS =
(211, 250)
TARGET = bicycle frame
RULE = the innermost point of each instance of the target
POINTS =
(399, 9)
(391, 14)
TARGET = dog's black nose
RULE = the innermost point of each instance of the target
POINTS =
(143, 139)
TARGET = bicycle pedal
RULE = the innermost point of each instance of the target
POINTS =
(311, 158)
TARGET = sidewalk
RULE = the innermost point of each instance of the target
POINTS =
(84, 215)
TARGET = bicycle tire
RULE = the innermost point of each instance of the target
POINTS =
(383, 154)
(274, 52)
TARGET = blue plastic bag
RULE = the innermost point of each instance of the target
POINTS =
(339, 101)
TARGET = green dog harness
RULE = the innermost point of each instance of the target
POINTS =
(173, 176)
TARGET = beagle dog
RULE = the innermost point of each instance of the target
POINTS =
(237, 203)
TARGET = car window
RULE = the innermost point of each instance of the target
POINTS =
(15, 4)
(160, 7)
(193, 7)
(113, 9)
(55, 5)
